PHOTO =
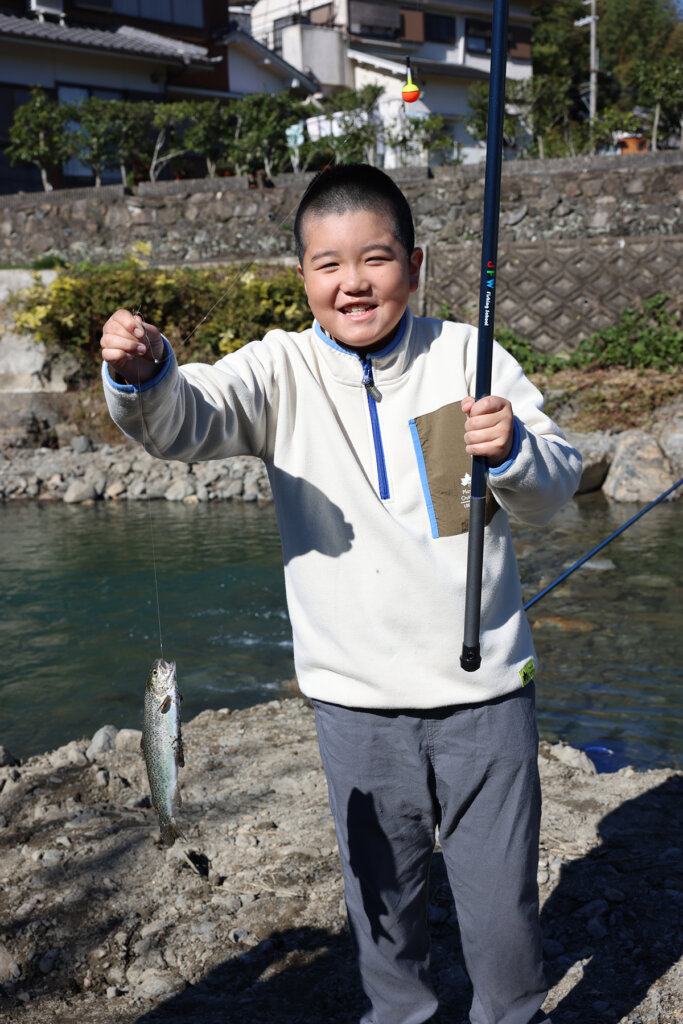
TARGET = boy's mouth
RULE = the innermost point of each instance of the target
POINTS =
(357, 309)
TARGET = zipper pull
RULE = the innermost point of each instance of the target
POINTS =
(369, 384)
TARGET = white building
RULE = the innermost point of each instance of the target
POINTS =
(356, 42)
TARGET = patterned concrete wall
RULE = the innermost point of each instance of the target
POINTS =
(557, 292)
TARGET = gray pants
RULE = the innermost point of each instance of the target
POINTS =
(393, 777)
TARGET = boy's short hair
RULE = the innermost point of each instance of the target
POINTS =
(356, 187)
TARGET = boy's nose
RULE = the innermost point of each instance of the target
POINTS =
(355, 281)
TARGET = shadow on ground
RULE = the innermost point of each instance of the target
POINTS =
(613, 921)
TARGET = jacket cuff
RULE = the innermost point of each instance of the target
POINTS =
(514, 452)
(152, 382)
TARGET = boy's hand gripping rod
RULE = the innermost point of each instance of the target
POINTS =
(470, 658)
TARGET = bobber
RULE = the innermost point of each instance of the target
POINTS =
(410, 91)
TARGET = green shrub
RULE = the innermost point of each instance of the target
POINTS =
(529, 358)
(649, 336)
(68, 315)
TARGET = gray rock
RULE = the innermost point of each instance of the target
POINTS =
(179, 490)
(48, 961)
(155, 983)
(128, 739)
(7, 758)
(596, 928)
(103, 740)
(81, 444)
(78, 491)
(640, 470)
(574, 758)
(597, 451)
(552, 949)
(10, 970)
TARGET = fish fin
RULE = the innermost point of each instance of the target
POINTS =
(179, 753)
(170, 832)
(165, 705)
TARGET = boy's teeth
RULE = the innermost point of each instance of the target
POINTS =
(357, 309)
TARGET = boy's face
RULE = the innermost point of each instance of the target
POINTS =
(357, 276)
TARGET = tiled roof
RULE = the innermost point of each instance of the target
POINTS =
(120, 39)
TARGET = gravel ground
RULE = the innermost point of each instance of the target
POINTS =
(245, 920)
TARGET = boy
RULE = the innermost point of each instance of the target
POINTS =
(360, 421)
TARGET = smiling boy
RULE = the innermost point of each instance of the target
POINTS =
(365, 422)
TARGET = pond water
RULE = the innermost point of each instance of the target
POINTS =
(79, 625)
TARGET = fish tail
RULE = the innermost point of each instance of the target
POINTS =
(170, 832)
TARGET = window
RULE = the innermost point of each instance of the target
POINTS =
(379, 21)
(478, 39)
(439, 28)
(176, 12)
(478, 36)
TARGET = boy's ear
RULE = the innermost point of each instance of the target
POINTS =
(300, 271)
(414, 263)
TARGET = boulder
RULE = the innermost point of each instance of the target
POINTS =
(640, 470)
(103, 741)
(597, 451)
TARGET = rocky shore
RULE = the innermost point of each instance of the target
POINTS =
(633, 466)
(245, 921)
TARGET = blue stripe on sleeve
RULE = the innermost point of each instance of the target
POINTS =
(514, 452)
(423, 478)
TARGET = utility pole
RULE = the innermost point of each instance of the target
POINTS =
(592, 20)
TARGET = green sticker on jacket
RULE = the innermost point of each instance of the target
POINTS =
(527, 672)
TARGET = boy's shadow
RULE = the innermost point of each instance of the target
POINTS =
(616, 906)
(614, 915)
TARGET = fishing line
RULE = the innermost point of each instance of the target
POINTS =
(145, 440)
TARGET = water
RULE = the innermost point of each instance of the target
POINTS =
(79, 628)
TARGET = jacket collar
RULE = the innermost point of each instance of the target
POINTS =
(387, 364)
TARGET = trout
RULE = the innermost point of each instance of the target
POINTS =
(162, 745)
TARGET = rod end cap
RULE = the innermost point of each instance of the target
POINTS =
(470, 659)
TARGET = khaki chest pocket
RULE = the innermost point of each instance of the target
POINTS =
(444, 465)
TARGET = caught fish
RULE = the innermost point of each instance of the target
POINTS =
(162, 745)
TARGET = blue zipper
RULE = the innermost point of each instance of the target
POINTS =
(374, 396)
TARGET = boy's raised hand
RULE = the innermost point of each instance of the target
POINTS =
(132, 347)
(489, 428)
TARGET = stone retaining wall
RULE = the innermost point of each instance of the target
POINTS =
(579, 239)
(634, 466)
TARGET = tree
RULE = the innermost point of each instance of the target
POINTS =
(132, 136)
(659, 87)
(39, 135)
(516, 115)
(169, 121)
(95, 138)
(631, 31)
(208, 132)
(353, 124)
(413, 138)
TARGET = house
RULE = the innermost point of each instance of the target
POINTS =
(357, 42)
(127, 49)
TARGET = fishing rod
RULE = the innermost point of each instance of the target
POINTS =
(599, 547)
(470, 658)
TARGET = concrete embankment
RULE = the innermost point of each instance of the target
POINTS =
(244, 921)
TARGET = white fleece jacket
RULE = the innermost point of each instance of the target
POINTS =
(371, 493)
